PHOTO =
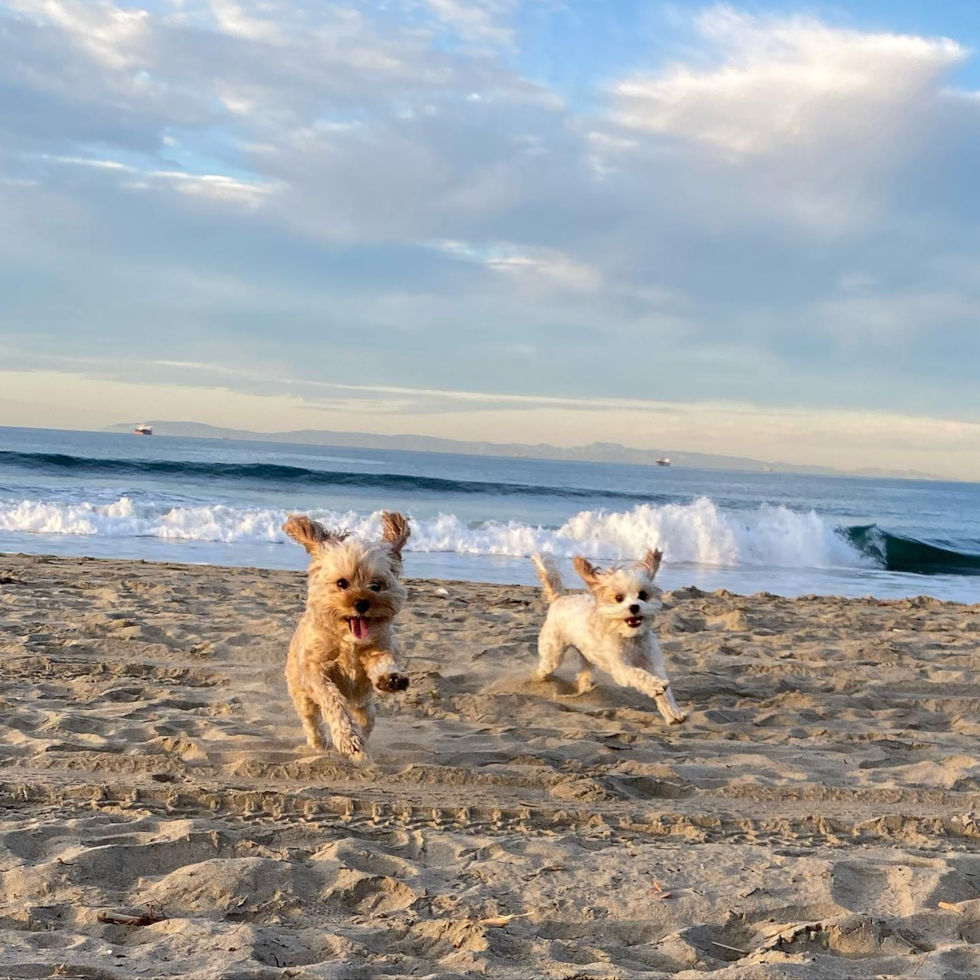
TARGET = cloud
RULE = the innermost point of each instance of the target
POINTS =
(217, 186)
(91, 162)
(546, 269)
(232, 19)
(110, 34)
(832, 437)
(896, 317)
(784, 213)
(784, 83)
(803, 122)
(476, 20)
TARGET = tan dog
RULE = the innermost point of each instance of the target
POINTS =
(343, 648)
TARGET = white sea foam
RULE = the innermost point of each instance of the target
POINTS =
(699, 532)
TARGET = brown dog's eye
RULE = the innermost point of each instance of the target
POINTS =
(642, 597)
(375, 586)
(620, 598)
(342, 583)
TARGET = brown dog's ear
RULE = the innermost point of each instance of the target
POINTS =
(651, 560)
(395, 531)
(586, 570)
(310, 534)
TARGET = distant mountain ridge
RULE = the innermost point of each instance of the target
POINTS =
(597, 452)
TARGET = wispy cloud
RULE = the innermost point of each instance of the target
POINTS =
(477, 20)
(785, 82)
(781, 213)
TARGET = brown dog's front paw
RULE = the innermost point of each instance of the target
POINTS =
(389, 683)
(351, 744)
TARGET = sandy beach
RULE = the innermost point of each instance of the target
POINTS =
(160, 814)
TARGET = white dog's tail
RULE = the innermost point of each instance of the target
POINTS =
(550, 577)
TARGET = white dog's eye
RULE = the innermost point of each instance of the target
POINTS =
(620, 598)
(375, 586)
(642, 596)
(342, 583)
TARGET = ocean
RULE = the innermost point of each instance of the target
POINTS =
(477, 518)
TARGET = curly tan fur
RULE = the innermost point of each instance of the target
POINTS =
(343, 649)
(310, 534)
(395, 531)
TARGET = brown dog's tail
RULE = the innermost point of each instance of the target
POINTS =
(550, 577)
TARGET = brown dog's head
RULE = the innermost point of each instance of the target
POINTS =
(625, 597)
(354, 585)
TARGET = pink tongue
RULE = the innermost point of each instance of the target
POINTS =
(359, 627)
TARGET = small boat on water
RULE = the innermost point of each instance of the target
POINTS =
(143, 430)
(663, 462)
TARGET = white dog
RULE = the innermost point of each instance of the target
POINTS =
(610, 626)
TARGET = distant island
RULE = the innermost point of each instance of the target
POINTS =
(597, 452)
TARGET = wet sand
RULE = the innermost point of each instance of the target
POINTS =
(160, 814)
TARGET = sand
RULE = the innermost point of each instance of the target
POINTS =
(161, 816)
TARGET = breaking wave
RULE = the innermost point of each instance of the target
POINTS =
(902, 553)
(698, 532)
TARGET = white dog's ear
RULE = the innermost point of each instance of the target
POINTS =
(396, 532)
(311, 535)
(651, 561)
(587, 571)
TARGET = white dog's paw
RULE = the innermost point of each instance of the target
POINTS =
(671, 713)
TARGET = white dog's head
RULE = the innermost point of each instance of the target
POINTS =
(625, 596)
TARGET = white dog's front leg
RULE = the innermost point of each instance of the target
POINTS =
(669, 708)
(627, 676)
(654, 686)
(665, 702)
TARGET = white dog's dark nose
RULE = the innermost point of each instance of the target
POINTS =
(362, 606)
(634, 609)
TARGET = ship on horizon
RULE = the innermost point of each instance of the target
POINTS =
(663, 461)
(144, 430)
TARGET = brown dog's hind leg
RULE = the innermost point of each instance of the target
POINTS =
(365, 715)
(311, 717)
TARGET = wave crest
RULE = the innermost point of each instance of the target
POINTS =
(901, 553)
(699, 532)
(262, 473)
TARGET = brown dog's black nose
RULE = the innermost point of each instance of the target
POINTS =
(362, 606)
(634, 609)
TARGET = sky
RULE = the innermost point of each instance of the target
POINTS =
(747, 229)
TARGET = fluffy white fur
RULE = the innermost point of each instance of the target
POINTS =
(610, 627)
